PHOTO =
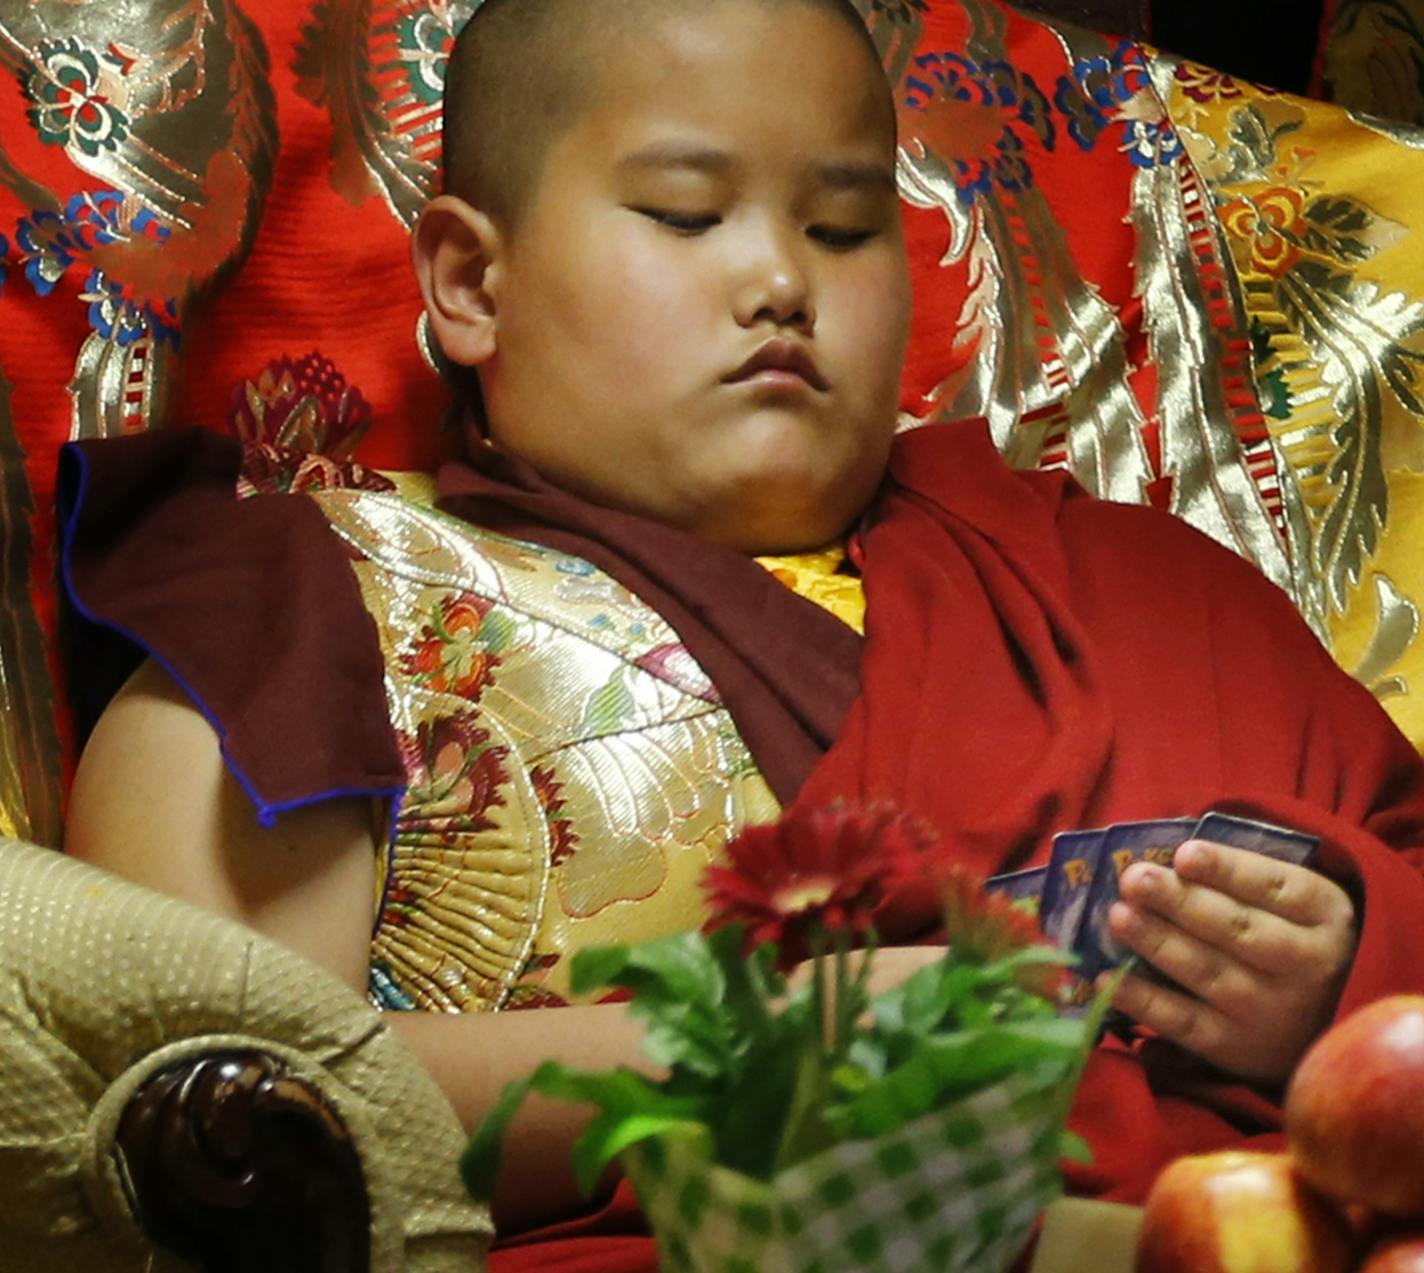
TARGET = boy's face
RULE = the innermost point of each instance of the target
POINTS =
(702, 314)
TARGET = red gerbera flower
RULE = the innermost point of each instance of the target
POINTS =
(821, 869)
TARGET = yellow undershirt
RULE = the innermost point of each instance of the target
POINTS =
(816, 577)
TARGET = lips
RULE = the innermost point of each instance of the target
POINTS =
(779, 359)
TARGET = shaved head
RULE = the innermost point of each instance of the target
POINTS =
(522, 72)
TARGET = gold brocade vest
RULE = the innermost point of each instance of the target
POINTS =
(571, 769)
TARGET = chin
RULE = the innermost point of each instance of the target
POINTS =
(780, 528)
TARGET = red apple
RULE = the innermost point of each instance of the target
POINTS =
(1403, 1253)
(1355, 1108)
(1235, 1212)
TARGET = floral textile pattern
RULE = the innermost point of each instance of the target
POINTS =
(569, 777)
(455, 771)
(425, 38)
(1034, 348)
(450, 655)
(271, 470)
(1329, 278)
(305, 404)
(1345, 355)
(94, 228)
(78, 95)
(1116, 89)
(379, 69)
(992, 102)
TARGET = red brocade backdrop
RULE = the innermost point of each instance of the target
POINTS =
(195, 197)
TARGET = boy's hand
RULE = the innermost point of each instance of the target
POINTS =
(1262, 946)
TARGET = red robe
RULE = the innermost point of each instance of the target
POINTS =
(1037, 660)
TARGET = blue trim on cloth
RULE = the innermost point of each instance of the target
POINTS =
(71, 492)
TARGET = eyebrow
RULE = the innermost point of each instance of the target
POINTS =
(661, 156)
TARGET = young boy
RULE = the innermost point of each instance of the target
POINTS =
(670, 248)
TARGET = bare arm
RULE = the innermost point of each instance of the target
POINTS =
(154, 802)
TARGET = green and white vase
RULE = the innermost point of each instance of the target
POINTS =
(956, 1189)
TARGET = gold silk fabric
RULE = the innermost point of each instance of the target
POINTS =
(1319, 213)
(571, 768)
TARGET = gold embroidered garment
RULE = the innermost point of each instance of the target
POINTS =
(571, 768)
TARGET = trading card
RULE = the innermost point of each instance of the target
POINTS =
(1280, 843)
(1066, 885)
(1023, 888)
(1124, 844)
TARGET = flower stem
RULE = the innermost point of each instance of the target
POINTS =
(845, 1002)
(819, 1006)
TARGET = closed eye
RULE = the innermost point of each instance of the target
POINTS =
(839, 239)
(682, 222)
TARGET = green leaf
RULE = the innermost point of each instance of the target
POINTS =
(484, 1152)
(610, 1134)
(1073, 1147)
(681, 968)
(597, 966)
(679, 990)
(945, 1068)
(618, 1090)
(751, 1111)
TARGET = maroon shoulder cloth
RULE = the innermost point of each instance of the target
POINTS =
(249, 605)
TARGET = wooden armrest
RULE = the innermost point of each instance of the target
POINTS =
(238, 1165)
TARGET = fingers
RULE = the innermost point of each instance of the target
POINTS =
(1295, 893)
(1163, 905)
(1269, 915)
(1185, 1021)
(1210, 973)
(1258, 950)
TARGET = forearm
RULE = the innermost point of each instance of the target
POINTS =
(473, 1057)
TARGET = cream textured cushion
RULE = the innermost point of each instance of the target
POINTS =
(103, 983)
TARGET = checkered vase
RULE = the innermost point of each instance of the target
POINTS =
(957, 1189)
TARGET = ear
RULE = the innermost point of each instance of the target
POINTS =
(456, 250)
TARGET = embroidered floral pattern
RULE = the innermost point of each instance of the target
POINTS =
(270, 470)
(304, 405)
(977, 113)
(563, 840)
(1116, 89)
(93, 222)
(455, 771)
(1339, 352)
(425, 38)
(1202, 84)
(78, 96)
(449, 656)
(1267, 230)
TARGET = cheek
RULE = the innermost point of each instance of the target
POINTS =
(872, 328)
(634, 307)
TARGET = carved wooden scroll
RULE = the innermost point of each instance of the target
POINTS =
(242, 1167)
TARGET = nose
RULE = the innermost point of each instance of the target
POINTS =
(773, 285)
